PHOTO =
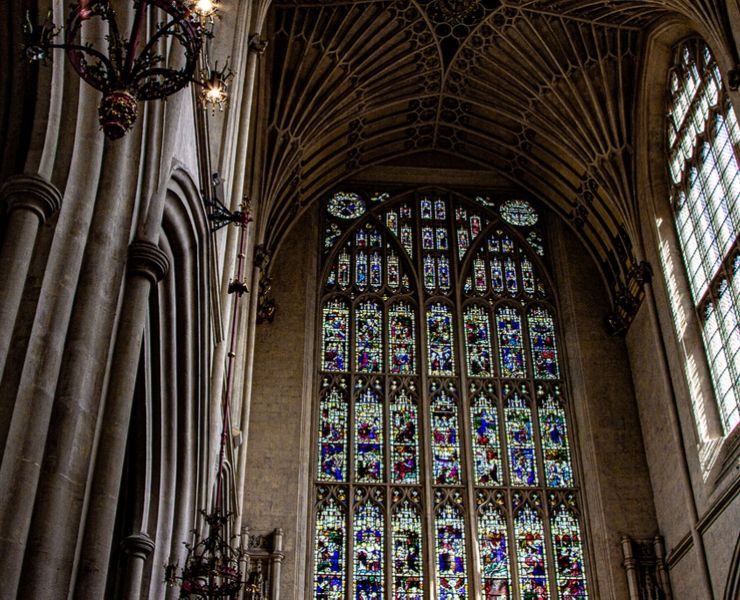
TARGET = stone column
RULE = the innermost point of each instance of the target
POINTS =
(137, 547)
(147, 264)
(31, 200)
(276, 563)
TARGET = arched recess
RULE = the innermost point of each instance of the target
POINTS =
(681, 425)
(167, 453)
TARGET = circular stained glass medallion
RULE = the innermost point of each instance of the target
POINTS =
(346, 205)
(519, 212)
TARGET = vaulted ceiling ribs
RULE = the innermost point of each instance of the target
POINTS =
(538, 91)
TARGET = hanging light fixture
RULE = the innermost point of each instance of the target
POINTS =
(134, 68)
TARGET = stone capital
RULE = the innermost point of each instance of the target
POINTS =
(33, 193)
(147, 260)
(257, 44)
(138, 545)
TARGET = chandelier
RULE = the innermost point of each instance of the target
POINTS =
(137, 68)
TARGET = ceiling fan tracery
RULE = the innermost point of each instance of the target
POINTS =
(538, 91)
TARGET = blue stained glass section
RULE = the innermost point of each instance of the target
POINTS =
(368, 550)
(440, 340)
(511, 345)
(329, 552)
(519, 438)
(426, 208)
(450, 543)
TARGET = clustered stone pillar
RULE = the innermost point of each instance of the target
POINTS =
(137, 547)
(31, 200)
(147, 265)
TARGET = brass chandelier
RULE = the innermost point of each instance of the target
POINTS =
(136, 68)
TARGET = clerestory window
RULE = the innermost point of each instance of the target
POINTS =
(703, 141)
(443, 456)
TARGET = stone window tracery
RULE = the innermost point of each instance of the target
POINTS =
(443, 459)
(703, 141)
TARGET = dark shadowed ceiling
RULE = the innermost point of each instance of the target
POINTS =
(539, 92)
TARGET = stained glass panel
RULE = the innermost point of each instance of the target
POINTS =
(439, 340)
(531, 560)
(346, 205)
(333, 419)
(369, 337)
(426, 208)
(566, 538)
(344, 269)
(440, 210)
(520, 441)
(443, 270)
(361, 269)
(463, 241)
(430, 280)
(393, 275)
(519, 212)
(335, 341)
(450, 544)
(511, 345)
(404, 439)
(528, 284)
(368, 437)
(407, 240)
(331, 235)
(497, 276)
(478, 342)
(544, 346)
(486, 449)
(442, 242)
(401, 339)
(427, 238)
(554, 436)
(510, 274)
(376, 271)
(494, 553)
(445, 440)
(479, 274)
(329, 552)
(408, 578)
(368, 551)
(391, 221)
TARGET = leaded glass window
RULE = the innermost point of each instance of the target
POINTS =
(443, 466)
(703, 140)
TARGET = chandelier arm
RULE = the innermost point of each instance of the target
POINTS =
(189, 40)
(75, 55)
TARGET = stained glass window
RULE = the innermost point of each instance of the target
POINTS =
(478, 341)
(519, 212)
(346, 205)
(530, 550)
(401, 339)
(440, 340)
(511, 345)
(494, 551)
(369, 436)
(422, 283)
(368, 547)
(408, 572)
(520, 440)
(335, 332)
(404, 438)
(329, 561)
(333, 436)
(369, 337)
(486, 445)
(703, 141)
(451, 562)
(544, 347)
(566, 539)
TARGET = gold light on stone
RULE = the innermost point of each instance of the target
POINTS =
(204, 8)
(215, 92)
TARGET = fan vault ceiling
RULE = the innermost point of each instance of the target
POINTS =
(540, 92)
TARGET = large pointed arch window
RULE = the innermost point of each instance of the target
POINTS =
(443, 459)
(704, 163)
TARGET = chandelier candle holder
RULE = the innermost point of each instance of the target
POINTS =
(134, 69)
